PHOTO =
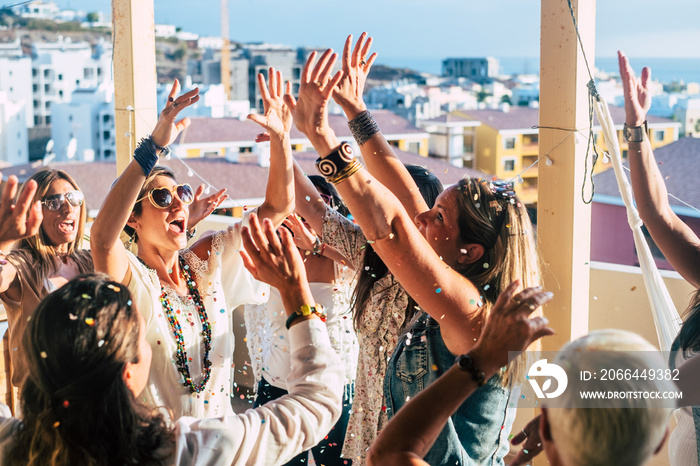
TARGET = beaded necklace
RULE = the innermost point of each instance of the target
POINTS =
(181, 355)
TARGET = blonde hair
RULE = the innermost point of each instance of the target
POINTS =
(500, 223)
(39, 246)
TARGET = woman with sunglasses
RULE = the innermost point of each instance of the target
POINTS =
(187, 295)
(42, 260)
(453, 260)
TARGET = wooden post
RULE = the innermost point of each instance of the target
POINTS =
(134, 75)
(563, 219)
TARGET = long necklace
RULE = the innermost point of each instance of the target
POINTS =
(181, 355)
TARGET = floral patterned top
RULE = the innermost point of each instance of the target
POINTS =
(378, 335)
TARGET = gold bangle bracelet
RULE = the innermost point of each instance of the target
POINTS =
(347, 173)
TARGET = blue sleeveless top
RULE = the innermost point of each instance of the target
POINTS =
(477, 433)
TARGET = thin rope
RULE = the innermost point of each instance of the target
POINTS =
(592, 94)
(7, 7)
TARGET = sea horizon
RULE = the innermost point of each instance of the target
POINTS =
(665, 70)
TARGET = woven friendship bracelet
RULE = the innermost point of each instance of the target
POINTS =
(363, 127)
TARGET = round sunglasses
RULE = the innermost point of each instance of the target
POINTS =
(55, 201)
(162, 198)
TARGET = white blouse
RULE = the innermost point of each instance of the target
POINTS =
(223, 283)
(266, 332)
(269, 435)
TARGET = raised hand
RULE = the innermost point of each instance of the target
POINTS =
(23, 218)
(636, 92)
(202, 207)
(356, 66)
(278, 116)
(509, 327)
(304, 235)
(533, 443)
(272, 259)
(167, 129)
(311, 109)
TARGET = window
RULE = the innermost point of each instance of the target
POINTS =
(508, 163)
(34, 72)
(47, 73)
(36, 104)
(659, 135)
(48, 120)
(70, 118)
(35, 88)
(509, 143)
(624, 154)
(47, 87)
(60, 77)
(296, 72)
(108, 153)
(47, 105)
(88, 73)
(105, 135)
(36, 120)
(60, 93)
(105, 118)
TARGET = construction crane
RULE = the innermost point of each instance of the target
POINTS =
(225, 51)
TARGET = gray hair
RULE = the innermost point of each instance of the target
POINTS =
(596, 435)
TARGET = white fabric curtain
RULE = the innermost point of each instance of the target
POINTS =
(666, 318)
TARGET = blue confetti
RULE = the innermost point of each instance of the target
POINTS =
(438, 290)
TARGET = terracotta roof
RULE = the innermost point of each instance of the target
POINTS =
(450, 118)
(679, 163)
(527, 117)
(243, 180)
(207, 130)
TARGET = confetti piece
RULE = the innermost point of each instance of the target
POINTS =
(308, 198)
(128, 303)
(44, 355)
(486, 287)
(100, 343)
(434, 367)
(472, 302)
(56, 424)
(86, 296)
(486, 265)
(66, 403)
(72, 316)
(438, 290)
(113, 288)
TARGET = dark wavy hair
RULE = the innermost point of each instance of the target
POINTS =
(77, 408)
(689, 337)
(373, 268)
(324, 187)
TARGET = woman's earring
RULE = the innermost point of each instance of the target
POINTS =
(130, 241)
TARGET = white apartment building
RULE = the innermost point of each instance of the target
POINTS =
(212, 102)
(16, 77)
(688, 113)
(83, 129)
(38, 10)
(14, 148)
(61, 67)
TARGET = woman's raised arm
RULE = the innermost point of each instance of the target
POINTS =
(440, 290)
(108, 252)
(277, 121)
(679, 244)
(18, 220)
(380, 158)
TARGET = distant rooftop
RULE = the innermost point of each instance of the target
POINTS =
(524, 118)
(679, 163)
(204, 130)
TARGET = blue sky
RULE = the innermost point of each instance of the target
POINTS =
(434, 28)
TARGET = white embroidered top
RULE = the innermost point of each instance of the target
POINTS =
(266, 332)
(223, 283)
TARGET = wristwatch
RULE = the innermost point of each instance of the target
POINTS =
(634, 133)
(466, 363)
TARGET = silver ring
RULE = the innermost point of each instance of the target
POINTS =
(524, 433)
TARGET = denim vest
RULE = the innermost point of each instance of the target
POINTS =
(477, 433)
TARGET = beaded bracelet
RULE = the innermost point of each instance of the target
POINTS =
(306, 310)
(363, 127)
(146, 156)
